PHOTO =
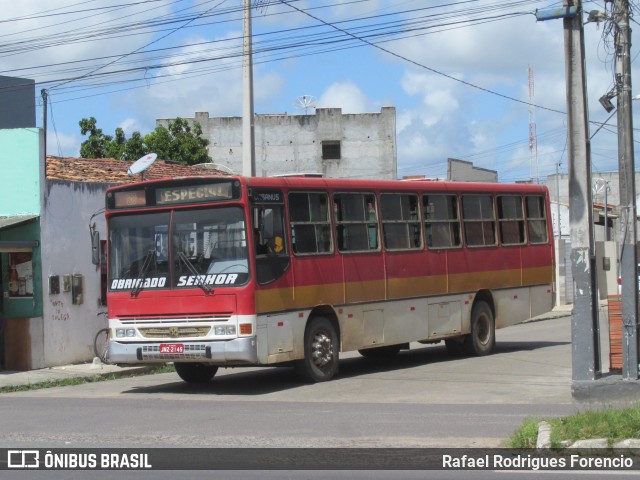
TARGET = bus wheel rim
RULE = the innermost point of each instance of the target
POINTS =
(321, 350)
(483, 331)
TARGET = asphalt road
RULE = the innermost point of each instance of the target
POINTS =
(424, 398)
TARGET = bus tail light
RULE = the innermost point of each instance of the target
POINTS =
(246, 329)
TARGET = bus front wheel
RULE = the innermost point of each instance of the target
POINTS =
(482, 338)
(320, 362)
(195, 372)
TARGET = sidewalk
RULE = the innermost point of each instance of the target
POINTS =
(87, 370)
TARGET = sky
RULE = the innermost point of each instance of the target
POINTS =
(458, 72)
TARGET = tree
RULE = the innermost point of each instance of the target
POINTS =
(96, 145)
(180, 142)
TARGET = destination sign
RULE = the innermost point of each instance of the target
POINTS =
(269, 196)
(194, 193)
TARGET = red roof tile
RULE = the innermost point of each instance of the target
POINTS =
(109, 170)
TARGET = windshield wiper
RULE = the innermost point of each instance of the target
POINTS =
(199, 277)
(139, 283)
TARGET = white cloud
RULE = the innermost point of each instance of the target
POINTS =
(345, 95)
(130, 125)
(437, 116)
(61, 144)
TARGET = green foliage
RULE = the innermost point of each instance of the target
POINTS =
(97, 144)
(613, 424)
(525, 436)
(180, 142)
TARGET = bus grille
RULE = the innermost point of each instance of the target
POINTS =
(174, 332)
(195, 318)
(190, 351)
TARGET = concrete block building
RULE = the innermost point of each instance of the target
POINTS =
(331, 143)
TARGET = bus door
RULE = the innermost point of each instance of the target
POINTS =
(271, 252)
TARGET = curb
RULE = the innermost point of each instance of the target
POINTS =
(543, 441)
(83, 371)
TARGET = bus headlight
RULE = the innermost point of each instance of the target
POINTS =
(225, 330)
(125, 332)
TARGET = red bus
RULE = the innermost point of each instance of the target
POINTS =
(229, 271)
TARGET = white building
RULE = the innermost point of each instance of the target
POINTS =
(359, 145)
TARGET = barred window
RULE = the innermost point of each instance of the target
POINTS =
(479, 220)
(400, 223)
(356, 222)
(310, 223)
(331, 150)
(511, 220)
(442, 222)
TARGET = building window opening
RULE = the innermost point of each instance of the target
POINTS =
(331, 150)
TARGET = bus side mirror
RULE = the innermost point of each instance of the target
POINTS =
(95, 247)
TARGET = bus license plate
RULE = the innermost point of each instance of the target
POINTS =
(171, 348)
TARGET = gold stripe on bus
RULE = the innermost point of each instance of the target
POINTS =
(469, 282)
(537, 275)
(280, 299)
(417, 287)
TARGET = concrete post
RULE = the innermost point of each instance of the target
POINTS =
(585, 341)
(626, 168)
(248, 132)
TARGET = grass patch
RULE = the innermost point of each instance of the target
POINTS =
(526, 435)
(613, 424)
(65, 382)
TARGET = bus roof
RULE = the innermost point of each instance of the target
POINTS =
(308, 182)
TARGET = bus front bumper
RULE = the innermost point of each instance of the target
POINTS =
(239, 351)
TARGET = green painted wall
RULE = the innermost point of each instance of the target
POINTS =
(20, 171)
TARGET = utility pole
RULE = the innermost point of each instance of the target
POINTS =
(248, 133)
(626, 172)
(558, 200)
(584, 327)
(44, 93)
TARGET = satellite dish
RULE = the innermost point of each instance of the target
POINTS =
(140, 165)
(599, 185)
(305, 102)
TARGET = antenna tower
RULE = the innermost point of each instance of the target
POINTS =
(533, 137)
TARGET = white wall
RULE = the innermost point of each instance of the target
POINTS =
(66, 249)
(293, 143)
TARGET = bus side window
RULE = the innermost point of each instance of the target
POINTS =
(441, 220)
(310, 223)
(479, 220)
(400, 225)
(510, 220)
(536, 219)
(356, 222)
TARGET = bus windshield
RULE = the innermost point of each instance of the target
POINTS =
(192, 248)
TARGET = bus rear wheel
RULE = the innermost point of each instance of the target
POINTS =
(320, 362)
(195, 372)
(482, 338)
